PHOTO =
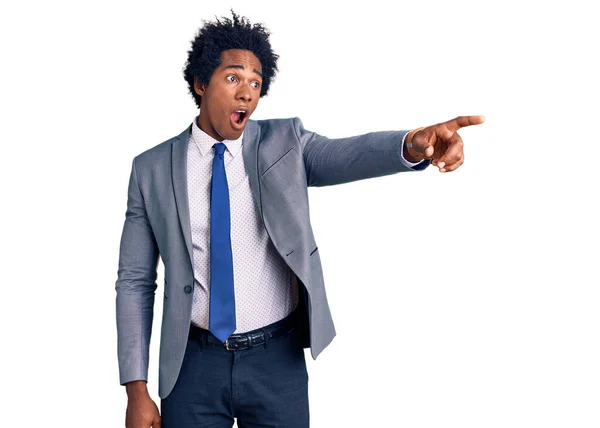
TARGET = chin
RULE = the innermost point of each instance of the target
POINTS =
(233, 134)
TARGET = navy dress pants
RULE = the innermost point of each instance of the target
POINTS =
(263, 386)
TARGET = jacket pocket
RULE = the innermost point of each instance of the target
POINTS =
(278, 161)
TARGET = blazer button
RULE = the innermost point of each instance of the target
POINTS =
(187, 289)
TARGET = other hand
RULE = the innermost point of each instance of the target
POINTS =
(440, 143)
(142, 412)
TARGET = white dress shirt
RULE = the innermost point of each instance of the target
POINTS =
(266, 289)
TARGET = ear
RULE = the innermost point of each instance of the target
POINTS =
(199, 88)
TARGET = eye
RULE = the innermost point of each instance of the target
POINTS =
(255, 84)
(231, 78)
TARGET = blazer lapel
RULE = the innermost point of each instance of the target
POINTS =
(180, 188)
(250, 145)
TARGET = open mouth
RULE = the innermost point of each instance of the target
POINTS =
(238, 116)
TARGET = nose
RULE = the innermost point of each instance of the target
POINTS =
(244, 93)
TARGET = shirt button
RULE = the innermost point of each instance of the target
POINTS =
(187, 289)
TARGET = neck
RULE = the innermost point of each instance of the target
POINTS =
(204, 124)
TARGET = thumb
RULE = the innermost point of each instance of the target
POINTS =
(418, 142)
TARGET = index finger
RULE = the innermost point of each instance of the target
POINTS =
(462, 121)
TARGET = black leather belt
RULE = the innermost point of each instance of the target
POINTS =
(240, 341)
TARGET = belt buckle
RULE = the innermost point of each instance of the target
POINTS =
(236, 340)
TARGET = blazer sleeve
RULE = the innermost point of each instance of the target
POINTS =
(135, 287)
(342, 160)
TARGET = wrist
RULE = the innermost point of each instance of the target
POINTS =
(136, 388)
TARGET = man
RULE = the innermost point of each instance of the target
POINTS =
(225, 204)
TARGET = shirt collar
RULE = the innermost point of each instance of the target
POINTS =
(205, 142)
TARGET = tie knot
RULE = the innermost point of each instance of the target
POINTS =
(219, 149)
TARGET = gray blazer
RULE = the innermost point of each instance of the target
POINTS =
(282, 159)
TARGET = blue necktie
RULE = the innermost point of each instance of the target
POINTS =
(222, 300)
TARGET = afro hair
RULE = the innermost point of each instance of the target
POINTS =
(215, 37)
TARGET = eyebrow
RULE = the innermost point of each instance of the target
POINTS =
(241, 67)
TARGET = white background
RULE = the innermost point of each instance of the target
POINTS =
(468, 299)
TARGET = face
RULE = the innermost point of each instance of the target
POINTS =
(231, 95)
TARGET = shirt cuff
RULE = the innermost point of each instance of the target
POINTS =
(404, 161)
